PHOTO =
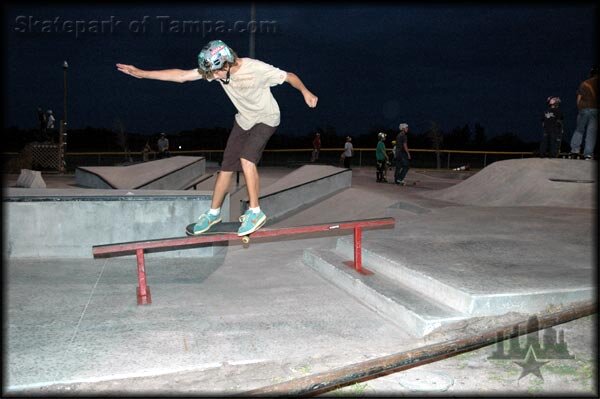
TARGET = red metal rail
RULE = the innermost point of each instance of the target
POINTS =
(138, 247)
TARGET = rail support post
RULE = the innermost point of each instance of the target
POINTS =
(357, 263)
(358, 249)
(143, 291)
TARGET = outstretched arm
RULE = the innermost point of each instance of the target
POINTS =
(169, 75)
(309, 98)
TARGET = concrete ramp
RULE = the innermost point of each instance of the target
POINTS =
(176, 173)
(527, 182)
(304, 186)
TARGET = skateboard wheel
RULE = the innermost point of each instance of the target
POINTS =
(245, 239)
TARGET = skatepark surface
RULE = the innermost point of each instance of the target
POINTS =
(493, 248)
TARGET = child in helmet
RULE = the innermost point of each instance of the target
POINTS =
(247, 83)
(381, 157)
(552, 125)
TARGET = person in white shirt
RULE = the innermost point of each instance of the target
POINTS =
(247, 82)
(348, 152)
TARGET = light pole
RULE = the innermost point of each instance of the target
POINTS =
(62, 134)
(65, 67)
(252, 30)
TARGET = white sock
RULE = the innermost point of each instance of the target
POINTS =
(255, 210)
(215, 212)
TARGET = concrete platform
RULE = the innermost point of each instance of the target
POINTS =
(440, 251)
(252, 317)
(523, 273)
(66, 223)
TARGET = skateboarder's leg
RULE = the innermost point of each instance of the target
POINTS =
(252, 181)
(221, 189)
(213, 215)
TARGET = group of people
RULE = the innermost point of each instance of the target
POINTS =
(400, 153)
(587, 122)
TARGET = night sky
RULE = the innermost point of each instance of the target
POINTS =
(370, 66)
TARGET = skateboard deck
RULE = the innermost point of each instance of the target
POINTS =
(406, 183)
(571, 180)
(219, 228)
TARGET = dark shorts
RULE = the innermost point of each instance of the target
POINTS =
(247, 144)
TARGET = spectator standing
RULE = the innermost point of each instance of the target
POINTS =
(587, 117)
(316, 147)
(146, 152)
(381, 158)
(348, 152)
(402, 155)
(552, 125)
(43, 123)
(163, 146)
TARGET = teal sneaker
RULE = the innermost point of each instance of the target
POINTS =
(205, 222)
(251, 222)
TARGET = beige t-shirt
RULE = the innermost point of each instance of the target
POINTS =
(249, 90)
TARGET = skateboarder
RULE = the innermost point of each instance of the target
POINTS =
(402, 155)
(381, 157)
(247, 83)
(552, 124)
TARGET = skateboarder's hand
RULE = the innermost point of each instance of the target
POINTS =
(310, 99)
(130, 70)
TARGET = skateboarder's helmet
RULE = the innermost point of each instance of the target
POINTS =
(214, 55)
(553, 100)
(381, 136)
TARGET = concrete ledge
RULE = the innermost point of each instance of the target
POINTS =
(397, 303)
(302, 187)
(389, 266)
(67, 223)
(472, 304)
(164, 174)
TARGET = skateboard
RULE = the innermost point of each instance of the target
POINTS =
(571, 180)
(219, 228)
(406, 183)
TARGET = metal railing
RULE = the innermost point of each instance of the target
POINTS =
(421, 158)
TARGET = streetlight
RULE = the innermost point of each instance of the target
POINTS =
(252, 30)
(65, 67)
(62, 134)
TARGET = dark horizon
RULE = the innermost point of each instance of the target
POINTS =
(372, 67)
